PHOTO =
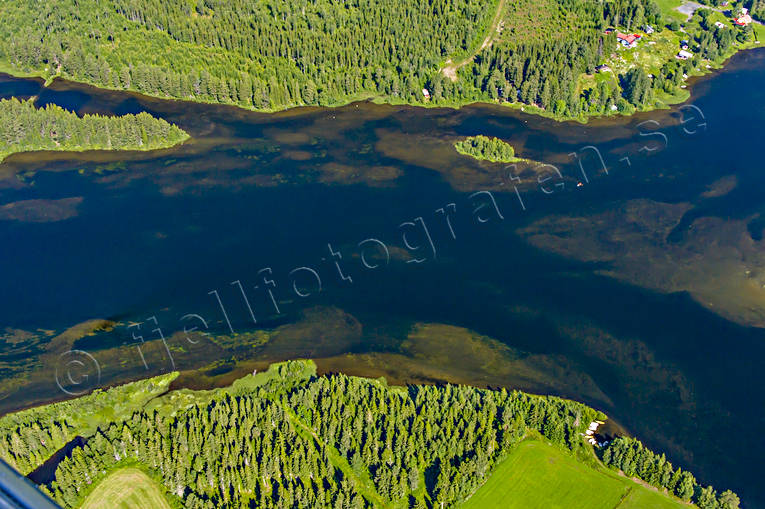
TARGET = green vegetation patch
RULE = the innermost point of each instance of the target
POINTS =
(29, 437)
(669, 9)
(127, 488)
(330, 441)
(488, 149)
(288, 437)
(24, 128)
(539, 475)
(264, 55)
(631, 457)
(274, 55)
(645, 498)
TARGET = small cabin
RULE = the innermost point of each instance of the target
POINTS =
(602, 68)
(648, 29)
(684, 55)
(425, 93)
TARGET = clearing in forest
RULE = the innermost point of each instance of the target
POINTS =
(127, 488)
(538, 475)
(450, 71)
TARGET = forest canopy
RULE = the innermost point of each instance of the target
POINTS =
(486, 148)
(281, 53)
(24, 127)
(287, 438)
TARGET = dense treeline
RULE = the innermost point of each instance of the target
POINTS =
(332, 441)
(271, 55)
(632, 458)
(484, 147)
(543, 74)
(287, 438)
(637, 86)
(261, 54)
(23, 127)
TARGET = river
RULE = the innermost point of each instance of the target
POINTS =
(358, 236)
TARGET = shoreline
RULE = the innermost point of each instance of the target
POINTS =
(257, 378)
(75, 151)
(666, 102)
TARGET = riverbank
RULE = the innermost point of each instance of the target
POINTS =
(443, 85)
(513, 414)
(664, 100)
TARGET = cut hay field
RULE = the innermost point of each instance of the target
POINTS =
(538, 475)
(127, 488)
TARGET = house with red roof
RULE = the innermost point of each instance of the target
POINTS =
(627, 40)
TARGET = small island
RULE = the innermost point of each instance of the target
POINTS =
(485, 148)
(25, 128)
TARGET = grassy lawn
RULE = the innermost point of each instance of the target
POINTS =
(669, 9)
(759, 30)
(127, 488)
(538, 475)
(650, 54)
(643, 498)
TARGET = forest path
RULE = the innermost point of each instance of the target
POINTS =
(450, 70)
(363, 484)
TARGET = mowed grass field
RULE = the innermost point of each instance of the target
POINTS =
(126, 488)
(669, 9)
(538, 475)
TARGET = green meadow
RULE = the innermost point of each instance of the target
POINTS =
(127, 488)
(538, 475)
